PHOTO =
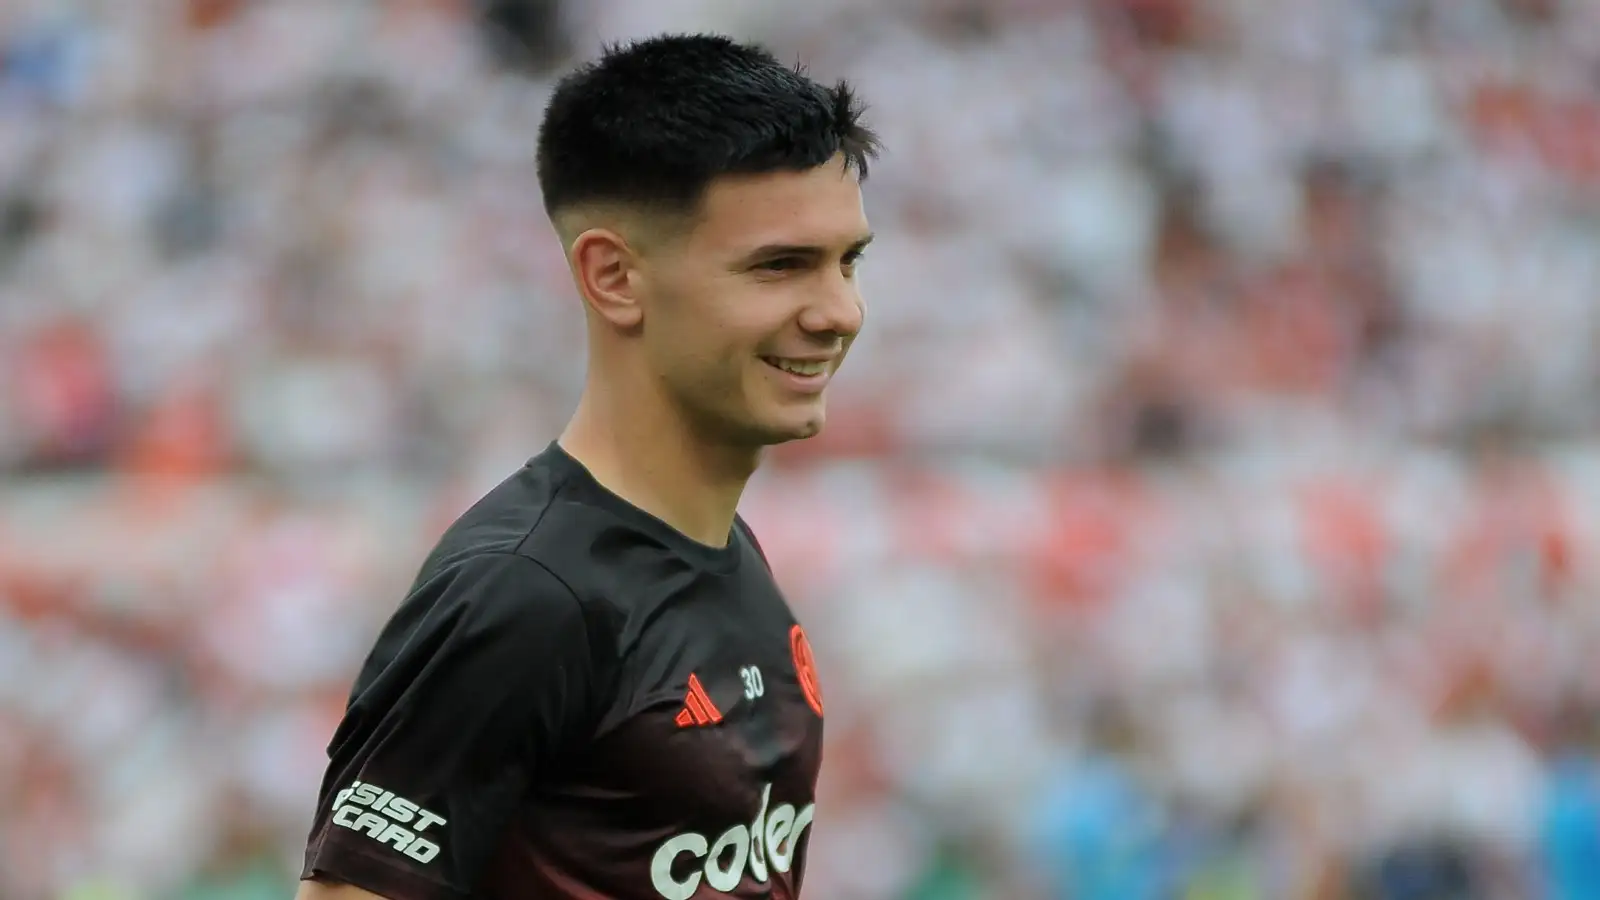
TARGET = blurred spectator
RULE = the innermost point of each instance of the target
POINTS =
(1103, 834)
(1569, 838)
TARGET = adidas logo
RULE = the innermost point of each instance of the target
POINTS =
(697, 707)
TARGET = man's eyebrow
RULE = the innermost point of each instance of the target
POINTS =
(772, 251)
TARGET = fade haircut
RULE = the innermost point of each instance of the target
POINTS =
(649, 125)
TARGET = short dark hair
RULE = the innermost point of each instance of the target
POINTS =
(653, 122)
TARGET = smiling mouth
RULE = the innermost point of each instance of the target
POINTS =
(804, 368)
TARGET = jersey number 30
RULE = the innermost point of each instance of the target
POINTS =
(753, 685)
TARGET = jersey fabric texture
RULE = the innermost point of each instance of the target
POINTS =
(574, 702)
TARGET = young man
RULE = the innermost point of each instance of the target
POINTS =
(595, 689)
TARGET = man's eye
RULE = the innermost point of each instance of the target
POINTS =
(783, 264)
(853, 257)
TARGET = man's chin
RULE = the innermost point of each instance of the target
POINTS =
(788, 433)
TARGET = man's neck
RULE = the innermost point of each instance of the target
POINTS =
(652, 460)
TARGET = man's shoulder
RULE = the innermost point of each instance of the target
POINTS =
(486, 554)
(501, 519)
(544, 514)
(519, 516)
(617, 562)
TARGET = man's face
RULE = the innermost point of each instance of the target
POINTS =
(750, 313)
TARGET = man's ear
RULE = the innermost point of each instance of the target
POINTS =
(607, 273)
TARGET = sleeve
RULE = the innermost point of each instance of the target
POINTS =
(485, 673)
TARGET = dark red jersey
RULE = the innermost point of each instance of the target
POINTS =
(577, 702)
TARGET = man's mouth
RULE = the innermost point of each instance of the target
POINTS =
(805, 368)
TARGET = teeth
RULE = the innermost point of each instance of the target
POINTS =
(799, 367)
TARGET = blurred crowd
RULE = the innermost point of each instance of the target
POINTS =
(1210, 510)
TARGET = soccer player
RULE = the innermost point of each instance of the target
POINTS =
(594, 688)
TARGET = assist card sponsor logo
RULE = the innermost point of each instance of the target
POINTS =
(388, 819)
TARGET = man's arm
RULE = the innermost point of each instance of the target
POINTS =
(481, 677)
(316, 890)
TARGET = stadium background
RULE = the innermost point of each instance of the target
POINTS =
(1210, 510)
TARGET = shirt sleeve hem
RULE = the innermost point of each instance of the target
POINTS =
(386, 879)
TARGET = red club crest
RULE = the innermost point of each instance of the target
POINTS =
(805, 667)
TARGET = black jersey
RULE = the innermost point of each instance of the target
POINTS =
(576, 701)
